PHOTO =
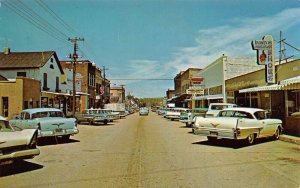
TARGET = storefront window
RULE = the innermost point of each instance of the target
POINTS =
(293, 102)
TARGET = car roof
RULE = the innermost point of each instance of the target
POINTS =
(34, 110)
(246, 109)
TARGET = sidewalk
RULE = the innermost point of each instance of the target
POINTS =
(288, 138)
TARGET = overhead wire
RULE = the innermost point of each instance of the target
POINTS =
(22, 13)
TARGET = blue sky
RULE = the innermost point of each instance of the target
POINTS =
(151, 38)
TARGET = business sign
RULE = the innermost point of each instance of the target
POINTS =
(265, 56)
(195, 91)
(197, 81)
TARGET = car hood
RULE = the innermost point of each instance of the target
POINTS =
(16, 138)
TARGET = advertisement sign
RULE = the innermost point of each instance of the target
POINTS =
(265, 56)
(195, 91)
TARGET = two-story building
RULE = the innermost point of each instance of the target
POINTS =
(41, 66)
(117, 94)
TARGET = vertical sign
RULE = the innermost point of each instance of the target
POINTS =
(265, 56)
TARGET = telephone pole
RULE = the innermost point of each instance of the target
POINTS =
(104, 84)
(74, 57)
(123, 93)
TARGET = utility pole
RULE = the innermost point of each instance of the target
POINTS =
(104, 83)
(74, 57)
(123, 93)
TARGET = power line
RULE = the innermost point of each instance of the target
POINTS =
(35, 21)
(55, 16)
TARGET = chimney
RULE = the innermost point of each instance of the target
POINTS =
(6, 50)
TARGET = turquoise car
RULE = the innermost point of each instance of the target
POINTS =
(92, 116)
(50, 122)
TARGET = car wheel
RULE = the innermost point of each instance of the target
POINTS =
(277, 133)
(250, 139)
(105, 122)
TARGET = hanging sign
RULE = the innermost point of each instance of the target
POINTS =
(265, 56)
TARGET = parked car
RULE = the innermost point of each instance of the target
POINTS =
(16, 144)
(174, 114)
(215, 108)
(92, 116)
(187, 117)
(48, 121)
(238, 124)
(144, 111)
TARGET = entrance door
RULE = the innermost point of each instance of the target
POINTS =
(5, 106)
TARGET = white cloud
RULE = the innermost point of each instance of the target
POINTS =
(234, 39)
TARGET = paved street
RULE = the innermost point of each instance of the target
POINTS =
(150, 151)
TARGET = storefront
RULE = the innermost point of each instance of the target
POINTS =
(282, 100)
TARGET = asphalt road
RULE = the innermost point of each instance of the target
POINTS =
(150, 151)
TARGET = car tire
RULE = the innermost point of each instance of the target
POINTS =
(105, 122)
(250, 139)
(277, 133)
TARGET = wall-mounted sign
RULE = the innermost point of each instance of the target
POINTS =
(197, 80)
(195, 91)
(265, 56)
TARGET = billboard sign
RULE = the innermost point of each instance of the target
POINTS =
(265, 56)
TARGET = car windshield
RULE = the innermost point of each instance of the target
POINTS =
(5, 127)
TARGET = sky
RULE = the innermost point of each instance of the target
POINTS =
(142, 40)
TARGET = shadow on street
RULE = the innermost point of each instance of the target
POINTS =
(235, 144)
(19, 166)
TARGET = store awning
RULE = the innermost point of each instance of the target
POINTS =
(172, 98)
(294, 80)
(209, 97)
(261, 88)
(56, 93)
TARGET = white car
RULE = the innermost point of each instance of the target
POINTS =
(16, 144)
(238, 123)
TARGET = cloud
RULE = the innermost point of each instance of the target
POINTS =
(233, 39)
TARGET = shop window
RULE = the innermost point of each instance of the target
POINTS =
(44, 102)
(293, 102)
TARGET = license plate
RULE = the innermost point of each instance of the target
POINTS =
(213, 133)
(58, 130)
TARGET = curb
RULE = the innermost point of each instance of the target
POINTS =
(291, 139)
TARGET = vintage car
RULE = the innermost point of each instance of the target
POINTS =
(174, 114)
(16, 144)
(48, 121)
(92, 116)
(144, 111)
(215, 108)
(238, 124)
(187, 117)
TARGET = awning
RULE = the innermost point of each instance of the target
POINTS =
(170, 99)
(289, 81)
(56, 93)
(261, 88)
(209, 97)
(81, 93)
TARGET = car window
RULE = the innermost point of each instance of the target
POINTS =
(260, 115)
(227, 113)
(26, 115)
(242, 114)
(4, 126)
